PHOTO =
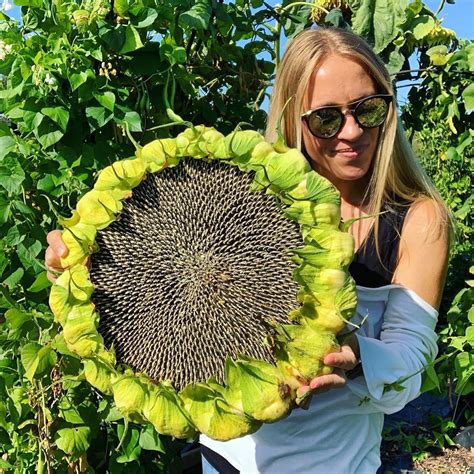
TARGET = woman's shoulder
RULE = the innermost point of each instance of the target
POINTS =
(428, 219)
(424, 249)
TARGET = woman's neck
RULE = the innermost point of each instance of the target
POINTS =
(353, 193)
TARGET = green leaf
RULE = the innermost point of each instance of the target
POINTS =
(41, 283)
(179, 55)
(29, 3)
(132, 40)
(73, 441)
(468, 97)
(121, 7)
(197, 17)
(130, 448)
(14, 237)
(150, 440)
(106, 99)
(10, 93)
(76, 79)
(47, 133)
(28, 253)
(132, 119)
(430, 379)
(379, 20)
(7, 144)
(422, 26)
(98, 117)
(146, 18)
(14, 278)
(438, 55)
(58, 115)
(46, 183)
(470, 335)
(395, 61)
(464, 366)
(11, 174)
(76, 409)
(5, 205)
(16, 318)
(36, 359)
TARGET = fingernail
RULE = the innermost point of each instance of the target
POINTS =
(302, 390)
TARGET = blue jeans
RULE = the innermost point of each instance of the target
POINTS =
(207, 468)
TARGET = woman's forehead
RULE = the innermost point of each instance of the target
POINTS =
(337, 81)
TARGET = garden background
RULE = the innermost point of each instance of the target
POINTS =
(77, 76)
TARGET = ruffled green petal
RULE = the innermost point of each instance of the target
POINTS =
(72, 287)
(98, 208)
(286, 170)
(99, 374)
(80, 331)
(213, 416)
(130, 396)
(165, 412)
(258, 388)
(239, 145)
(316, 188)
(125, 174)
(160, 154)
(314, 214)
(300, 351)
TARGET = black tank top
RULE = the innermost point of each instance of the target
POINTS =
(366, 268)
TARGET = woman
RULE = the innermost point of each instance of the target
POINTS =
(342, 116)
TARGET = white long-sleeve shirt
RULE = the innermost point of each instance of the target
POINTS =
(341, 431)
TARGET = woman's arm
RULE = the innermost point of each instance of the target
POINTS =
(423, 253)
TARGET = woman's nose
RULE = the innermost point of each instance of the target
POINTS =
(350, 130)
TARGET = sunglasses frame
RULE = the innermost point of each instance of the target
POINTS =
(352, 108)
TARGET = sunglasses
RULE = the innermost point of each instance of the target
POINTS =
(369, 112)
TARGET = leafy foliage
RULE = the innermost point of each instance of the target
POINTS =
(76, 76)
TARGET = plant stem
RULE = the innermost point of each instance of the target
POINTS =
(440, 7)
(7, 296)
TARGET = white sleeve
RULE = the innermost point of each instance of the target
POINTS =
(407, 341)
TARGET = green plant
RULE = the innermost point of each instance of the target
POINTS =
(74, 76)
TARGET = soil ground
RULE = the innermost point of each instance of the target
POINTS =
(457, 460)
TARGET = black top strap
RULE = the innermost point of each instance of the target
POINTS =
(367, 268)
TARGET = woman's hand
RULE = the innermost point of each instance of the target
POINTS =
(346, 359)
(56, 250)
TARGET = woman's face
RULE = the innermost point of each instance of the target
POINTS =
(346, 156)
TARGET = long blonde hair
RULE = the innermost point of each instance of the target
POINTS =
(396, 170)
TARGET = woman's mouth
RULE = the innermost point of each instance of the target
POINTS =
(351, 152)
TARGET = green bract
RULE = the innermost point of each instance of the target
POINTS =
(254, 391)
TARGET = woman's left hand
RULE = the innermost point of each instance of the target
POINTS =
(346, 359)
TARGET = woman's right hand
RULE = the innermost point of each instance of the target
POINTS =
(55, 251)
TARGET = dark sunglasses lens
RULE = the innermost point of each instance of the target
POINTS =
(372, 112)
(325, 123)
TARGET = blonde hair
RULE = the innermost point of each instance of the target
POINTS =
(395, 170)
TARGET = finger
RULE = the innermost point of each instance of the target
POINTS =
(56, 242)
(302, 390)
(326, 382)
(52, 260)
(346, 359)
(51, 277)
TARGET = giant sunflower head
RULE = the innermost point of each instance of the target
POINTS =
(206, 280)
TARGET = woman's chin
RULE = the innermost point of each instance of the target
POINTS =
(354, 174)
